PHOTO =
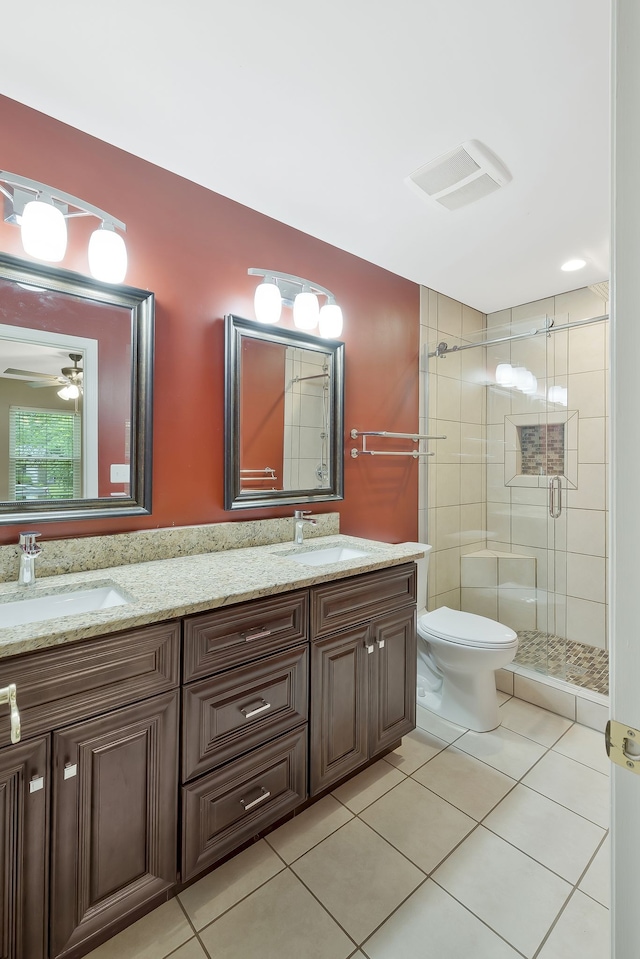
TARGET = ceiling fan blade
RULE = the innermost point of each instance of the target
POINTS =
(54, 383)
(30, 374)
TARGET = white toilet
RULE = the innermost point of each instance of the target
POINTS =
(458, 654)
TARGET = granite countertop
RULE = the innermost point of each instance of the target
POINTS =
(169, 588)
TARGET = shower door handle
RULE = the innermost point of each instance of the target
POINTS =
(555, 497)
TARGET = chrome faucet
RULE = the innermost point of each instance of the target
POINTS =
(30, 550)
(301, 517)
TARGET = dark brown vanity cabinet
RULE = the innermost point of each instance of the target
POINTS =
(244, 725)
(363, 670)
(89, 835)
(128, 781)
(24, 860)
(114, 818)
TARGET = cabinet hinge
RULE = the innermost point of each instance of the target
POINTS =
(623, 745)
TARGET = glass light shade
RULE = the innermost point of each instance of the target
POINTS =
(306, 311)
(557, 394)
(519, 376)
(44, 231)
(330, 321)
(107, 255)
(267, 303)
(504, 374)
(69, 392)
(530, 385)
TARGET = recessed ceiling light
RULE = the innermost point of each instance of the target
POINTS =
(573, 265)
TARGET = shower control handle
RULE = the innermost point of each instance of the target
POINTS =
(555, 497)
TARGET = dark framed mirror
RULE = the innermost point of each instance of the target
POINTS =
(76, 395)
(284, 419)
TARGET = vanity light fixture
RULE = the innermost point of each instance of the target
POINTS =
(278, 289)
(42, 212)
(267, 301)
(504, 374)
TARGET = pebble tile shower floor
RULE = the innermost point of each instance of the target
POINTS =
(458, 844)
(576, 663)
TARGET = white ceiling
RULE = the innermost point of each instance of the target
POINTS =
(314, 113)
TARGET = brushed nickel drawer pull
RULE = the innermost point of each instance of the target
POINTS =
(36, 783)
(380, 643)
(8, 695)
(369, 647)
(260, 634)
(70, 770)
(256, 802)
(248, 712)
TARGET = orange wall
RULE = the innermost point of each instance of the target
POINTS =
(193, 247)
(262, 410)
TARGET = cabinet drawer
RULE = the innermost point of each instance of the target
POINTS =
(228, 714)
(238, 634)
(66, 684)
(336, 606)
(225, 808)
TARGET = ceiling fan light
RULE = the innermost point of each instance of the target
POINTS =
(306, 311)
(267, 302)
(107, 255)
(44, 231)
(330, 321)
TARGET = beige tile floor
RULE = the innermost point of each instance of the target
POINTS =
(458, 844)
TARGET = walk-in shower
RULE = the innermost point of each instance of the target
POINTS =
(514, 500)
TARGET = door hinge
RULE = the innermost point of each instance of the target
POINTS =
(623, 745)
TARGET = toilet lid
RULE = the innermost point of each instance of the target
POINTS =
(466, 628)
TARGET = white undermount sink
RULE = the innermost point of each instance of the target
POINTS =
(35, 609)
(331, 554)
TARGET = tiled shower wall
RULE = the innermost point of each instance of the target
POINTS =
(306, 449)
(518, 518)
(452, 504)
(466, 506)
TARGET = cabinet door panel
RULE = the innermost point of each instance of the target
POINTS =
(393, 679)
(225, 808)
(338, 706)
(24, 861)
(114, 817)
(232, 712)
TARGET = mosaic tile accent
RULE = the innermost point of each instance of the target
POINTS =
(576, 663)
(542, 449)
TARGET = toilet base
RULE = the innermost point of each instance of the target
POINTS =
(466, 699)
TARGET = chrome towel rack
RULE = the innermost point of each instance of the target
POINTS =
(266, 473)
(414, 437)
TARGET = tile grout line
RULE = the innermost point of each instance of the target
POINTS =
(430, 875)
(196, 934)
(427, 875)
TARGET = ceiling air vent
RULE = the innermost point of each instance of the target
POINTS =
(461, 176)
(601, 289)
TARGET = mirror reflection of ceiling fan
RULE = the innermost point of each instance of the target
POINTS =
(69, 383)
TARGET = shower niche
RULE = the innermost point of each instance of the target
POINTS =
(540, 445)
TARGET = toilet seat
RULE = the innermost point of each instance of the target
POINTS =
(466, 629)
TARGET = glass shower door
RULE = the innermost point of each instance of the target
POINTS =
(527, 482)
